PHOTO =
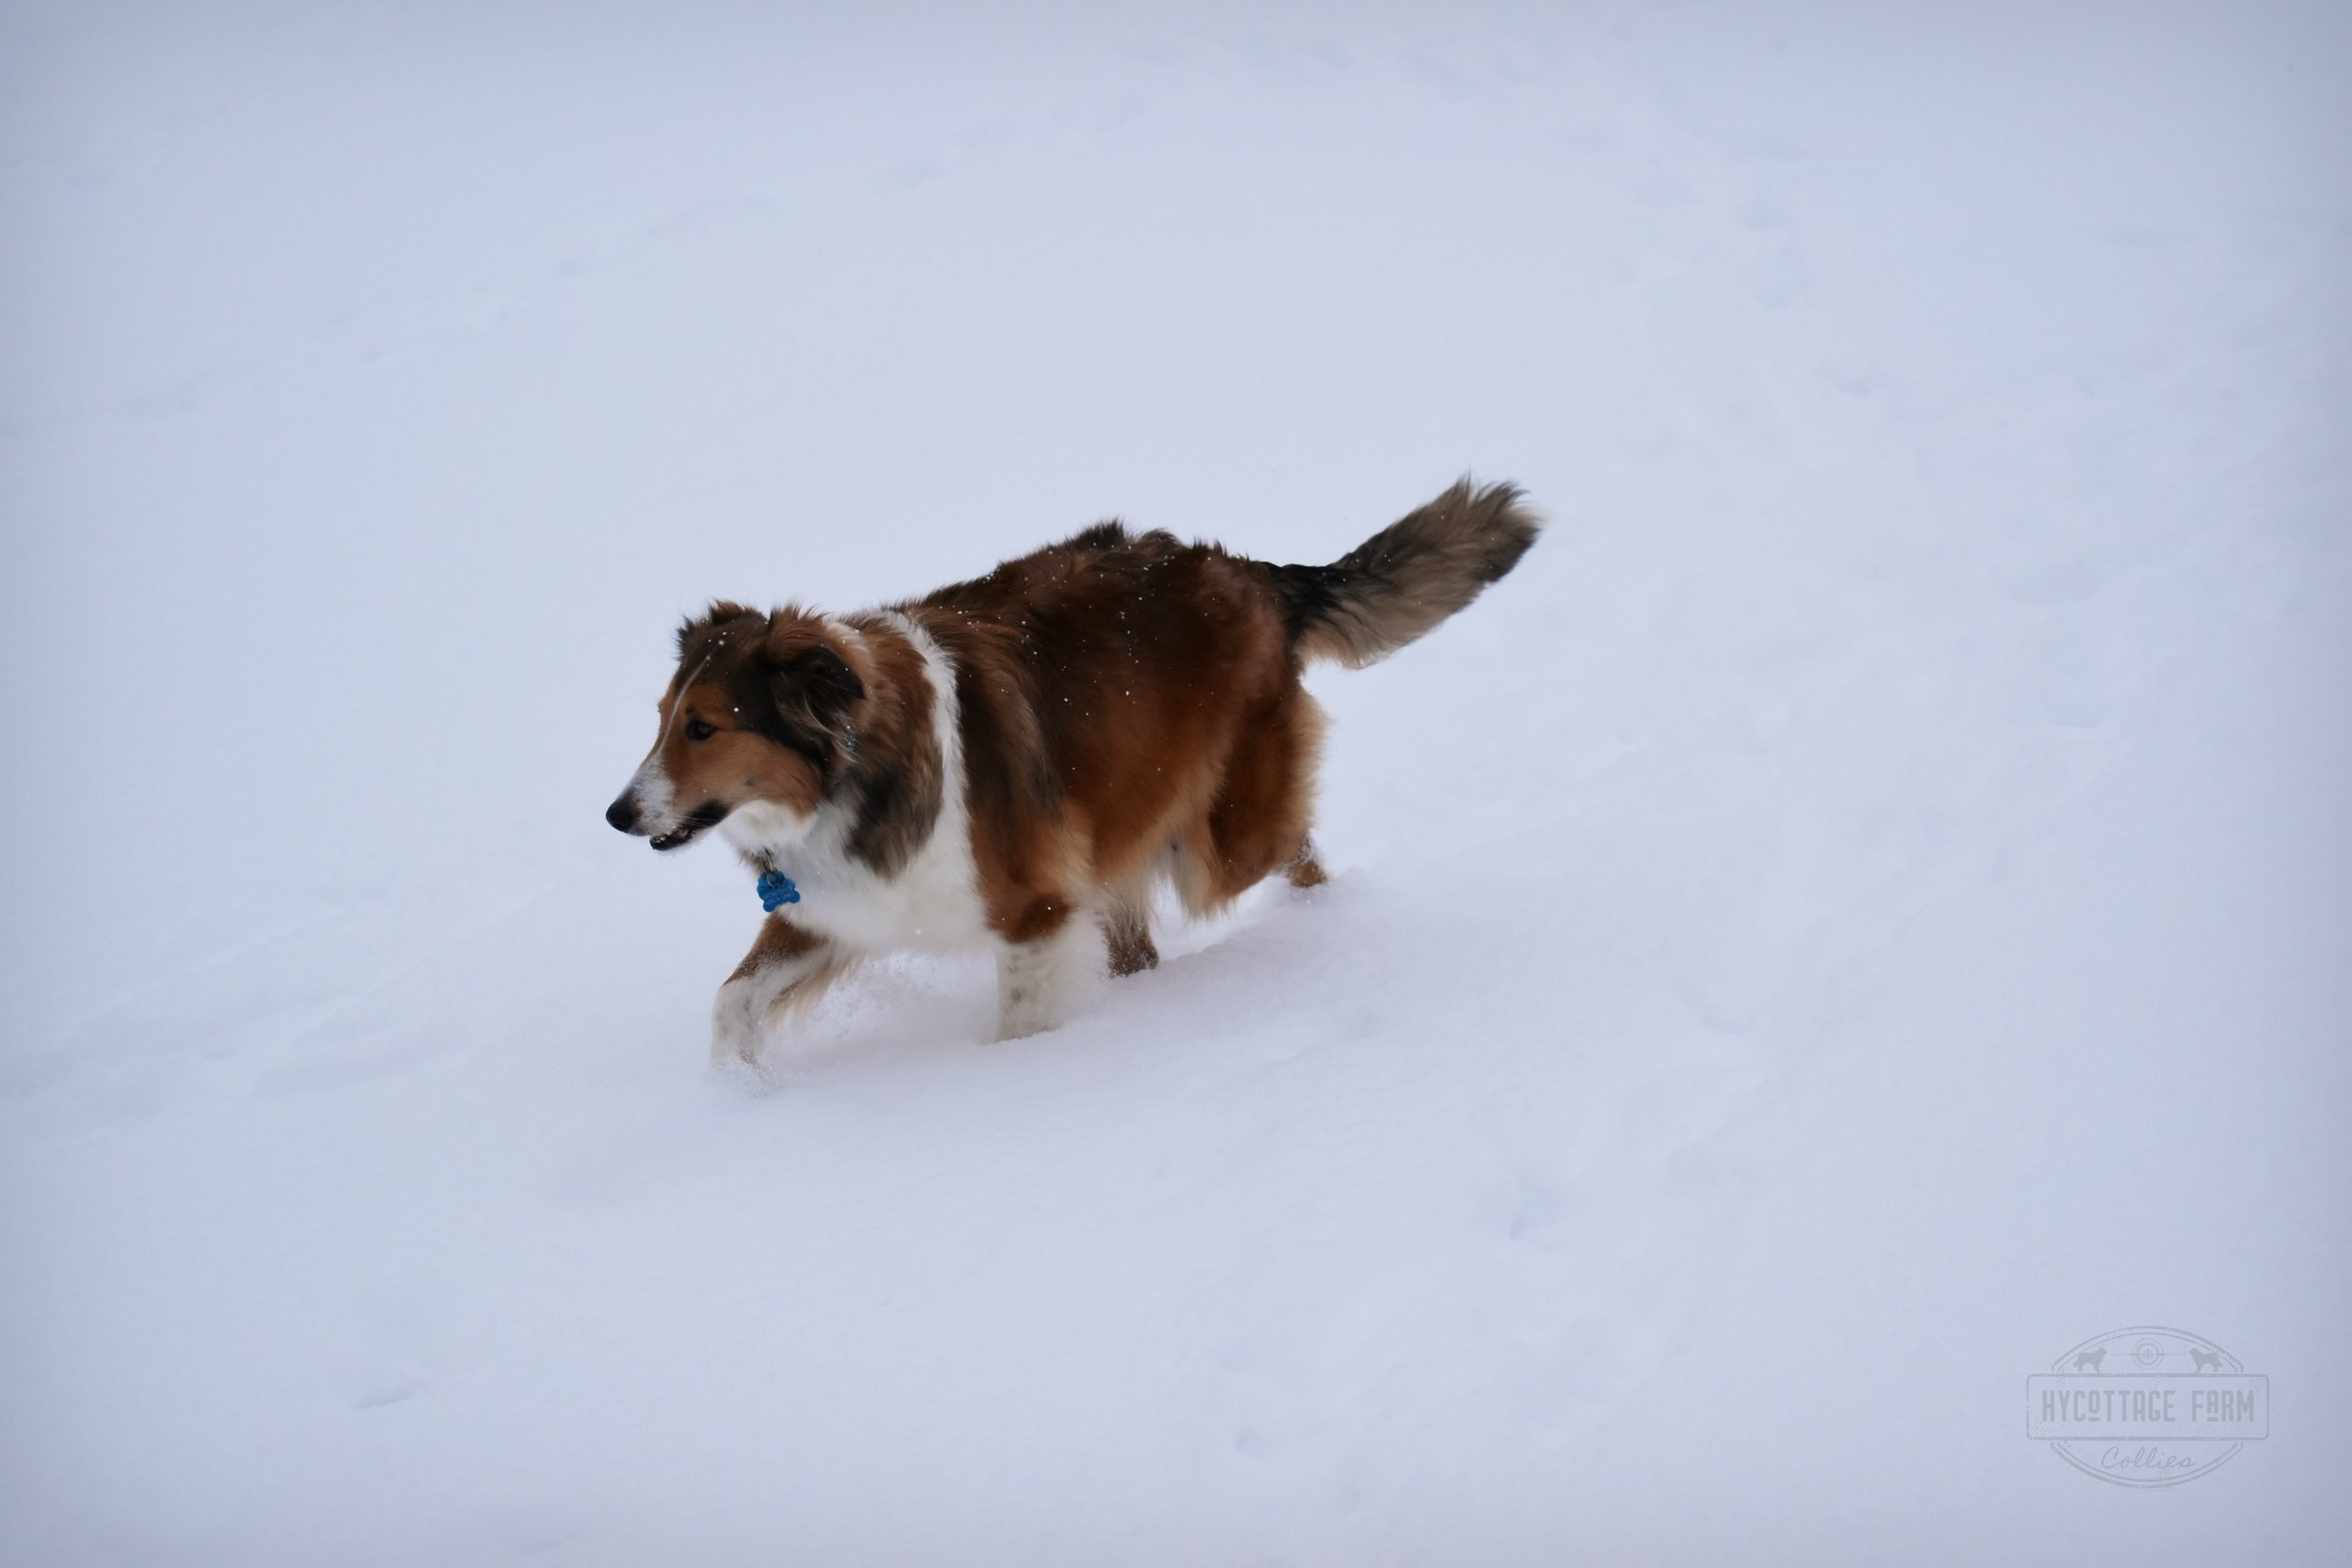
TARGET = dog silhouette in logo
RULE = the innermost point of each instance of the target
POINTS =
(2207, 1361)
(2091, 1358)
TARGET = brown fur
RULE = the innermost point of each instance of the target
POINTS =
(779, 940)
(1121, 695)
(723, 681)
(802, 714)
(1127, 936)
(1130, 707)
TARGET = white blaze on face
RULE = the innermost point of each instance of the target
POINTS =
(650, 786)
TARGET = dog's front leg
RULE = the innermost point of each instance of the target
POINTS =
(788, 967)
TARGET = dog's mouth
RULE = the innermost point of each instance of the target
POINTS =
(708, 814)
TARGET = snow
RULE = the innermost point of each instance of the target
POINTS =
(1860, 912)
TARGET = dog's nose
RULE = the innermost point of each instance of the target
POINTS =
(621, 814)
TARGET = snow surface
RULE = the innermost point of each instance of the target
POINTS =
(1863, 910)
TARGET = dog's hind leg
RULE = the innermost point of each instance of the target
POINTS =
(1256, 824)
(1127, 932)
(786, 968)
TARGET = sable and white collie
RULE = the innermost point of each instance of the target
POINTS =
(1012, 761)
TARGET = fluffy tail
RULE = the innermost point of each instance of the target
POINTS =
(1408, 576)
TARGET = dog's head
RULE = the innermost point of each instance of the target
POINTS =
(756, 720)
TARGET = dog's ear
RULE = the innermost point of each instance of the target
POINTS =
(812, 685)
(697, 630)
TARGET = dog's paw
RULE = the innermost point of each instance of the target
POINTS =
(734, 1018)
(1027, 1006)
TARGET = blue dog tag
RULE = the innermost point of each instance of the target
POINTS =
(776, 890)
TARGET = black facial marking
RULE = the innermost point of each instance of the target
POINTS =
(752, 694)
(815, 684)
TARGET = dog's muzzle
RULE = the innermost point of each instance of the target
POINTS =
(626, 814)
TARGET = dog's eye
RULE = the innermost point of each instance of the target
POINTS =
(697, 730)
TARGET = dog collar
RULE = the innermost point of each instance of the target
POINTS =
(776, 890)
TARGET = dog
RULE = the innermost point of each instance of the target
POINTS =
(1013, 763)
(2093, 1359)
(2204, 1360)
